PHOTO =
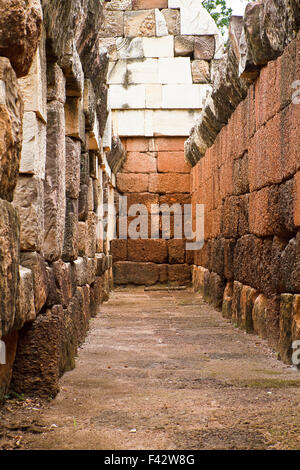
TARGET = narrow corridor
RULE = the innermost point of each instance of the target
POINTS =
(164, 370)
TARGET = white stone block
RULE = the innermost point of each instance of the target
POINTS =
(153, 96)
(33, 156)
(117, 72)
(160, 24)
(175, 3)
(149, 123)
(184, 96)
(174, 70)
(132, 96)
(129, 123)
(34, 85)
(94, 136)
(174, 122)
(195, 19)
(107, 136)
(159, 47)
(143, 71)
(128, 48)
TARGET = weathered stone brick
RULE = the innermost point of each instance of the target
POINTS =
(139, 23)
(179, 274)
(73, 156)
(36, 263)
(132, 183)
(126, 272)
(172, 162)
(169, 183)
(137, 162)
(154, 251)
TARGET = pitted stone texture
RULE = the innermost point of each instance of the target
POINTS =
(73, 156)
(36, 263)
(29, 199)
(139, 23)
(20, 29)
(33, 157)
(9, 265)
(55, 186)
(25, 311)
(34, 85)
(11, 115)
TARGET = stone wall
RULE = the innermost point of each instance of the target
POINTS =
(154, 173)
(163, 55)
(249, 182)
(55, 149)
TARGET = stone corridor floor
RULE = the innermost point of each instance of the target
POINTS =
(165, 371)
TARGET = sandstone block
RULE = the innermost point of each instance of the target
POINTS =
(149, 4)
(75, 123)
(70, 246)
(176, 251)
(34, 85)
(158, 47)
(56, 83)
(140, 163)
(169, 183)
(130, 48)
(132, 183)
(139, 23)
(204, 47)
(36, 368)
(29, 199)
(118, 249)
(154, 251)
(126, 272)
(184, 96)
(55, 186)
(174, 70)
(113, 25)
(25, 311)
(36, 263)
(172, 18)
(11, 115)
(179, 274)
(200, 71)
(33, 156)
(73, 156)
(131, 97)
(259, 316)
(227, 301)
(20, 26)
(9, 261)
(184, 46)
(91, 235)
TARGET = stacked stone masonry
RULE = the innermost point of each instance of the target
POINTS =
(163, 55)
(55, 266)
(248, 181)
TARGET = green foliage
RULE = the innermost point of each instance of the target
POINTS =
(220, 13)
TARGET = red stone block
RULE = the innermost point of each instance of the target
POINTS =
(147, 199)
(267, 92)
(118, 250)
(176, 251)
(169, 183)
(126, 272)
(137, 162)
(264, 160)
(260, 216)
(137, 144)
(149, 4)
(180, 274)
(132, 183)
(172, 162)
(169, 144)
(154, 251)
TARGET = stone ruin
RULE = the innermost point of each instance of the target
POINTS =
(140, 98)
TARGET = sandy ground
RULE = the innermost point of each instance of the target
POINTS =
(164, 371)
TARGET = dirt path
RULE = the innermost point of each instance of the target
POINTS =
(165, 371)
